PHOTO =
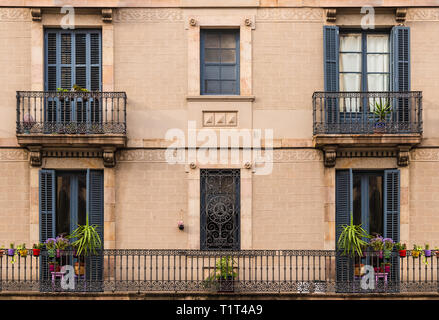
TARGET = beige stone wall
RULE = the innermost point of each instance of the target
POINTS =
(150, 198)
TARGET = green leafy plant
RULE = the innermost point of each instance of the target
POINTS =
(224, 269)
(400, 246)
(79, 88)
(382, 110)
(38, 246)
(351, 239)
(62, 90)
(87, 238)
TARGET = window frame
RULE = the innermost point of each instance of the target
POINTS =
(203, 64)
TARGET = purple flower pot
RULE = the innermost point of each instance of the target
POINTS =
(427, 253)
(11, 252)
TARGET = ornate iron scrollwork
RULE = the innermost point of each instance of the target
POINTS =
(220, 209)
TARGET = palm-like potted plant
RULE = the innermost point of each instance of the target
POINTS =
(352, 239)
(224, 274)
(381, 110)
(86, 242)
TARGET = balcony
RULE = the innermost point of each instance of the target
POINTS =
(194, 271)
(347, 120)
(79, 120)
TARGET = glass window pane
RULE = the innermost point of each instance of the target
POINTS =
(82, 199)
(228, 87)
(350, 62)
(212, 55)
(212, 40)
(212, 86)
(212, 72)
(376, 217)
(228, 73)
(350, 42)
(228, 56)
(378, 82)
(350, 82)
(377, 43)
(228, 40)
(378, 63)
(63, 205)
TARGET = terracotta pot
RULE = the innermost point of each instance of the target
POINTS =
(79, 268)
(402, 253)
(36, 252)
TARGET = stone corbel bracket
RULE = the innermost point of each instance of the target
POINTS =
(36, 14)
(403, 156)
(401, 15)
(109, 157)
(35, 156)
(329, 156)
(331, 15)
(107, 15)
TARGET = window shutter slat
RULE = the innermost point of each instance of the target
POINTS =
(331, 69)
(343, 209)
(391, 218)
(47, 218)
(95, 209)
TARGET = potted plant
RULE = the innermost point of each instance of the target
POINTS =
(50, 246)
(377, 245)
(36, 249)
(381, 110)
(388, 245)
(436, 252)
(22, 250)
(416, 251)
(351, 239)
(1, 251)
(86, 242)
(61, 244)
(385, 267)
(402, 249)
(54, 266)
(61, 96)
(11, 250)
(80, 89)
(427, 251)
(224, 274)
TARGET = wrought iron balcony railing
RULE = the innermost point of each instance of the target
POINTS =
(47, 112)
(355, 112)
(246, 271)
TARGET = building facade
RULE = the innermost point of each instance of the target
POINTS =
(312, 73)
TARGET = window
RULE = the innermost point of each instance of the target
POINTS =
(219, 62)
(373, 198)
(65, 198)
(72, 57)
(364, 61)
(220, 209)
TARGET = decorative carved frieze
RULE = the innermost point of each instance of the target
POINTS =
(291, 14)
(14, 14)
(139, 14)
(422, 14)
(13, 154)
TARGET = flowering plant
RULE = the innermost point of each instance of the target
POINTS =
(377, 243)
(61, 243)
(388, 244)
(50, 243)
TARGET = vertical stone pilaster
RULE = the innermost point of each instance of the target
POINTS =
(109, 208)
(34, 210)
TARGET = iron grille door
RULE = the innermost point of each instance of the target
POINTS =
(220, 209)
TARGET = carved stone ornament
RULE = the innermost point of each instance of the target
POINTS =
(107, 15)
(35, 156)
(403, 156)
(36, 14)
(109, 158)
(330, 156)
(401, 15)
(331, 15)
(192, 22)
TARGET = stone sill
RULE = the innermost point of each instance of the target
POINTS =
(72, 140)
(367, 140)
(221, 98)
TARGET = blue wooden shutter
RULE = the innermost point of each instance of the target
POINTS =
(331, 69)
(400, 62)
(343, 209)
(95, 210)
(391, 218)
(47, 198)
